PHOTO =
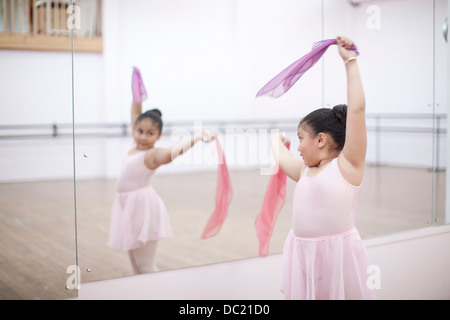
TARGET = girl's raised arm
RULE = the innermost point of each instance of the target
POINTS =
(290, 165)
(136, 110)
(353, 155)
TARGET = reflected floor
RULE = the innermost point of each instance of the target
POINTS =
(37, 228)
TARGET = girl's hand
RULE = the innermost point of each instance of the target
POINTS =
(284, 139)
(207, 136)
(344, 45)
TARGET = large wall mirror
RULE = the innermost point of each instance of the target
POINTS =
(37, 225)
(202, 63)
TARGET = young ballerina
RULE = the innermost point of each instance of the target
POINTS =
(139, 217)
(323, 255)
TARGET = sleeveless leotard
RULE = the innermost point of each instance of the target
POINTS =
(324, 256)
(138, 214)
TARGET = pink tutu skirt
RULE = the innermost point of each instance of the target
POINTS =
(137, 217)
(326, 268)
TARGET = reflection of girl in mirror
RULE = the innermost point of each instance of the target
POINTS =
(323, 256)
(139, 217)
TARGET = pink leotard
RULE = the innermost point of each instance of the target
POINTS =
(138, 214)
(324, 256)
(324, 204)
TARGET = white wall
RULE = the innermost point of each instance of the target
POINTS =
(206, 60)
(414, 264)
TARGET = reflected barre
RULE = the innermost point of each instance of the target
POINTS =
(122, 129)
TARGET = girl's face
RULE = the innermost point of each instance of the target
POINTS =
(145, 134)
(307, 146)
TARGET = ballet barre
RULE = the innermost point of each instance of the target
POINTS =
(378, 123)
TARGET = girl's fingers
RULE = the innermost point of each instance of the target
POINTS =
(208, 137)
(345, 42)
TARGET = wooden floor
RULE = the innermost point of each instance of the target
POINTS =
(38, 229)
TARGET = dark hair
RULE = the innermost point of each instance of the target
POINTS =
(331, 121)
(154, 115)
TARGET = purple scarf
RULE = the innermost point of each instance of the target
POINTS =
(287, 78)
(137, 87)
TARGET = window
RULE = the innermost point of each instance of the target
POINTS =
(44, 25)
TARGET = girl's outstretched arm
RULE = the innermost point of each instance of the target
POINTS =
(353, 155)
(155, 157)
(290, 165)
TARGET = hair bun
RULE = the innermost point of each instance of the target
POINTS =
(157, 111)
(340, 111)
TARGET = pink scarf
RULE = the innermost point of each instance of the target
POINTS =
(281, 83)
(273, 202)
(137, 86)
(224, 193)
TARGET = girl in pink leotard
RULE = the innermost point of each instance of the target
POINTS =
(139, 217)
(323, 256)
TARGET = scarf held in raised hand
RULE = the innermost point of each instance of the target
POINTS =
(137, 86)
(281, 83)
